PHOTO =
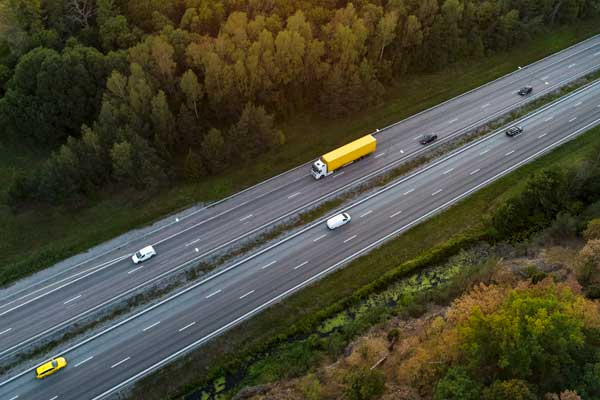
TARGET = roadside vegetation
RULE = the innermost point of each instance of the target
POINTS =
(547, 203)
(61, 196)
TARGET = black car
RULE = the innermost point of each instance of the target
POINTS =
(514, 131)
(429, 138)
(524, 91)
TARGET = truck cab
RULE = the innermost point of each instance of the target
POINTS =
(319, 169)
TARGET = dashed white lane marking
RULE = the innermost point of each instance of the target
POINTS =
(14, 398)
(548, 119)
(301, 265)
(395, 214)
(187, 326)
(474, 172)
(417, 137)
(578, 104)
(437, 192)
(453, 120)
(350, 238)
(365, 214)
(380, 155)
(448, 171)
(545, 78)
(214, 293)
(571, 66)
(319, 238)
(73, 299)
(339, 174)
(572, 119)
(84, 361)
(484, 152)
(246, 217)
(136, 269)
(294, 195)
(542, 135)
(5, 331)
(121, 362)
(247, 294)
(192, 242)
(485, 105)
(409, 192)
(509, 153)
(402, 151)
(151, 326)
(597, 54)
(54, 398)
(268, 265)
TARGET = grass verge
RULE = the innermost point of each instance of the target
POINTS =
(40, 237)
(302, 312)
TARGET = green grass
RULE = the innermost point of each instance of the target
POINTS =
(191, 372)
(42, 236)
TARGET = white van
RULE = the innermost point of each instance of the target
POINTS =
(144, 254)
(338, 220)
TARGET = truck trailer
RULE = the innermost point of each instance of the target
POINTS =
(332, 161)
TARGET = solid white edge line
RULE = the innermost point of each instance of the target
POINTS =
(400, 181)
(345, 260)
(84, 361)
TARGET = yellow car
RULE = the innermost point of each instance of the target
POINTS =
(50, 367)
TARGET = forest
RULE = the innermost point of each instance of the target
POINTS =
(140, 94)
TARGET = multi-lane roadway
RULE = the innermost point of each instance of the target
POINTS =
(190, 317)
(29, 313)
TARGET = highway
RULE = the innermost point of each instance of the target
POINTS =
(190, 317)
(31, 313)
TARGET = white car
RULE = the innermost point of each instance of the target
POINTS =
(338, 220)
(144, 254)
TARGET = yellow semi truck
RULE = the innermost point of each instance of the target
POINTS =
(330, 162)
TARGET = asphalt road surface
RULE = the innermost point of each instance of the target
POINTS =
(30, 313)
(192, 316)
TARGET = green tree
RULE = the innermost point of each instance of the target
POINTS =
(364, 384)
(123, 166)
(192, 89)
(457, 385)
(193, 166)
(254, 133)
(164, 124)
(537, 335)
(214, 151)
(512, 389)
